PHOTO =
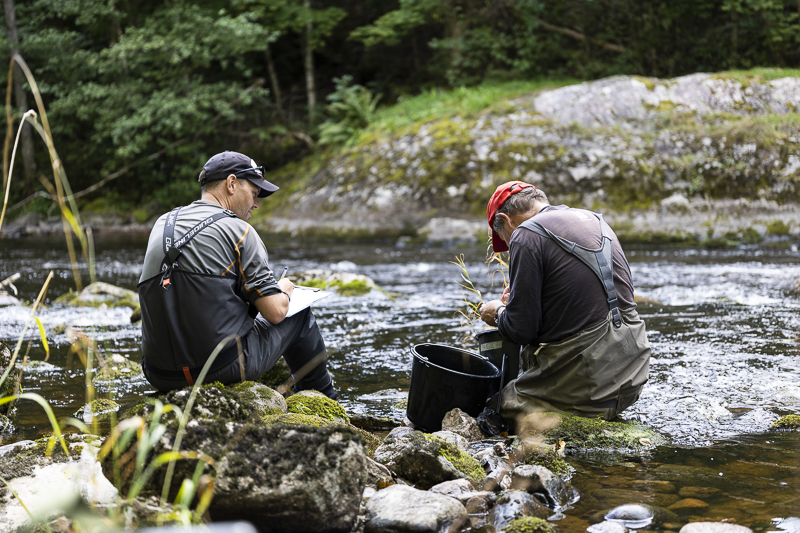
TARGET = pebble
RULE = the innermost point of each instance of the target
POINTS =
(688, 503)
(714, 527)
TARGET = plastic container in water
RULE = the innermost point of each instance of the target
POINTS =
(493, 347)
(443, 378)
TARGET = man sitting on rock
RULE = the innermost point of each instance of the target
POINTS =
(206, 283)
(569, 304)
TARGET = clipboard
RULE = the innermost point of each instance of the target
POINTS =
(303, 297)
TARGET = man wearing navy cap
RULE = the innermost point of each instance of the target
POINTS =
(206, 286)
(570, 305)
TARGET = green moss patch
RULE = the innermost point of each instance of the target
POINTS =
(547, 457)
(5, 425)
(462, 461)
(295, 419)
(98, 406)
(787, 422)
(320, 406)
(595, 434)
(528, 524)
(117, 369)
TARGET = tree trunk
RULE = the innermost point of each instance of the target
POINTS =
(26, 137)
(273, 80)
(309, 67)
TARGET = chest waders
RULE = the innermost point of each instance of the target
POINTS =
(185, 315)
(597, 371)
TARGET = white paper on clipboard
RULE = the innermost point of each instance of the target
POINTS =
(303, 297)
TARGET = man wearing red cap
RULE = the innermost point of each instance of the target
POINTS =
(570, 305)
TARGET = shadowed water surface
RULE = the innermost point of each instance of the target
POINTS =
(726, 359)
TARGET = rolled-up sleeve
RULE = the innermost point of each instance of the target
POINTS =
(258, 278)
(522, 319)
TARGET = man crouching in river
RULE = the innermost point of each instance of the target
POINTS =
(206, 280)
(569, 304)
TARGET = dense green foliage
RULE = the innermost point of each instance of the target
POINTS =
(159, 86)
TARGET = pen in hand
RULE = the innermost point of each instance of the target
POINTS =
(285, 270)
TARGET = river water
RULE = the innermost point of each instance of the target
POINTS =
(725, 336)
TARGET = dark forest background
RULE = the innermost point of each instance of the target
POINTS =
(140, 93)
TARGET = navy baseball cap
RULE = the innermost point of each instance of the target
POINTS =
(223, 165)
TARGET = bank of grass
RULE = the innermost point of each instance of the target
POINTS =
(462, 101)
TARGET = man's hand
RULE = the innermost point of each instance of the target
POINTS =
(488, 310)
(506, 295)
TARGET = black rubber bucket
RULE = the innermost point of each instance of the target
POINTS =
(492, 347)
(443, 378)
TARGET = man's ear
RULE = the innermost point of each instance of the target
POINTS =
(230, 183)
(504, 218)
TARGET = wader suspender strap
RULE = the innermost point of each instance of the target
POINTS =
(172, 248)
(600, 261)
(172, 251)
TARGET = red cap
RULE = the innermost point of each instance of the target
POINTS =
(501, 194)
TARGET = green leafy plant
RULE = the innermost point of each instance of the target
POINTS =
(351, 109)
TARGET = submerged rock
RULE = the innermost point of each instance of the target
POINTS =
(117, 367)
(528, 524)
(638, 516)
(714, 527)
(405, 509)
(427, 460)
(98, 407)
(100, 293)
(538, 479)
(513, 505)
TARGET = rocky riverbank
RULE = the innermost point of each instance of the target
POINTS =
(700, 159)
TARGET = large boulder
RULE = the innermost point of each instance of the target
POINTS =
(280, 478)
(401, 509)
(427, 460)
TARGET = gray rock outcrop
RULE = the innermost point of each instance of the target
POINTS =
(700, 158)
(405, 509)
(532, 478)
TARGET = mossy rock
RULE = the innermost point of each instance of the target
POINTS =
(245, 402)
(344, 283)
(117, 367)
(296, 419)
(277, 375)
(262, 399)
(547, 457)
(528, 524)
(317, 405)
(597, 435)
(99, 406)
(371, 442)
(787, 422)
(461, 460)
